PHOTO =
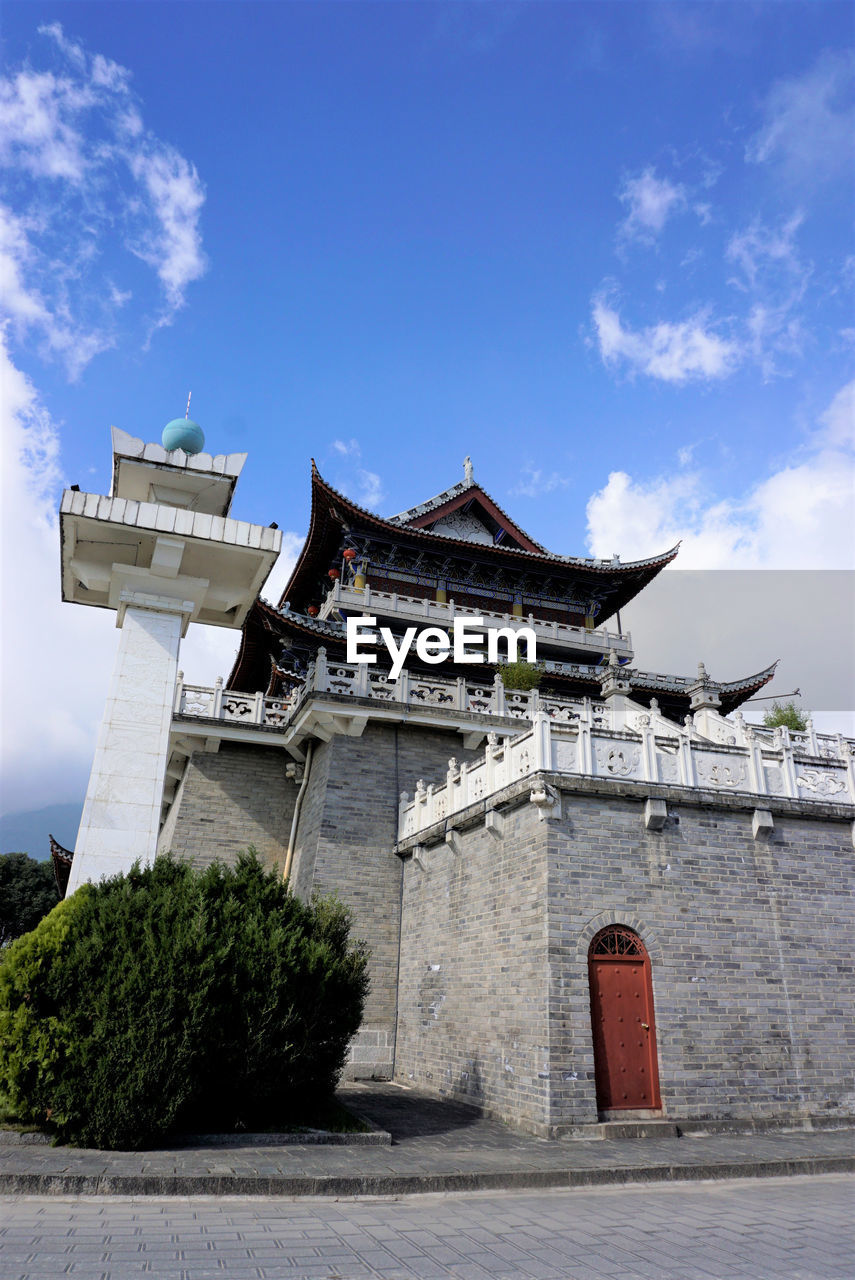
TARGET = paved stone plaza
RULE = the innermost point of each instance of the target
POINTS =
(795, 1228)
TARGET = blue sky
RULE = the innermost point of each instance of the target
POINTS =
(605, 249)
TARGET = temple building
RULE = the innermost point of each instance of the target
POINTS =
(606, 896)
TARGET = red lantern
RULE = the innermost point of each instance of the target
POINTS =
(350, 554)
(312, 611)
(334, 573)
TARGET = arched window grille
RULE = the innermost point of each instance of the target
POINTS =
(617, 940)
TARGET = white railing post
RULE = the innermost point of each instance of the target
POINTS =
(179, 694)
(813, 745)
(542, 741)
(320, 665)
(756, 770)
(460, 703)
(498, 707)
(258, 709)
(788, 764)
(490, 765)
(217, 708)
(402, 686)
(363, 684)
(649, 764)
(688, 773)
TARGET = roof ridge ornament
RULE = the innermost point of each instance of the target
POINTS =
(468, 470)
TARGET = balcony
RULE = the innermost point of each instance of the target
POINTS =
(412, 610)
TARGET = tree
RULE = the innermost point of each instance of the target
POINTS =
(27, 892)
(171, 998)
(788, 714)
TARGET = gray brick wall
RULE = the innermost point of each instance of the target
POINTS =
(345, 845)
(228, 800)
(473, 1017)
(750, 944)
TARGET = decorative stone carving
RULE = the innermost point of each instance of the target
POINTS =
(823, 784)
(433, 694)
(669, 769)
(713, 774)
(620, 762)
(565, 756)
(237, 708)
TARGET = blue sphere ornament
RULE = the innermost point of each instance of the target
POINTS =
(183, 433)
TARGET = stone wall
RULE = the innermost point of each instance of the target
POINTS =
(473, 1016)
(345, 844)
(748, 941)
(228, 800)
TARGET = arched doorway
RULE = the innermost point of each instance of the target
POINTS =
(625, 1064)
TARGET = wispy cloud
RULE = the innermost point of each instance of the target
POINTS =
(347, 448)
(366, 487)
(371, 492)
(809, 122)
(772, 274)
(534, 481)
(686, 351)
(93, 180)
(650, 202)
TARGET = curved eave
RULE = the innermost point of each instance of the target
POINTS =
(326, 525)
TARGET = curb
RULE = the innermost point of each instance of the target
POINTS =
(62, 1184)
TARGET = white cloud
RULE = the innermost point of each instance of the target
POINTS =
(366, 487)
(772, 273)
(93, 180)
(173, 246)
(800, 517)
(809, 122)
(371, 492)
(689, 350)
(650, 202)
(534, 481)
(38, 115)
(56, 659)
(347, 448)
(761, 248)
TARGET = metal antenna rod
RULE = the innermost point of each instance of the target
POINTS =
(187, 410)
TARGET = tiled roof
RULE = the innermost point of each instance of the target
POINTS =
(582, 562)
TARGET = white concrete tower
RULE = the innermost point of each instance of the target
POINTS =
(161, 552)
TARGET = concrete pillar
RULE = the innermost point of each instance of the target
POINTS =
(121, 814)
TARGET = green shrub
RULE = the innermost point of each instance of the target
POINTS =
(27, 892)
(170, 998)
(521, 675)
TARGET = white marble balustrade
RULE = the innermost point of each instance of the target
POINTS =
(443, 613)
(770, 763)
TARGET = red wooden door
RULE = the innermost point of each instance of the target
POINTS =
(625, 1066)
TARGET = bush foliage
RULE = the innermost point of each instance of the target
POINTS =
(170, 998)
(521, 675)
(27, 892)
